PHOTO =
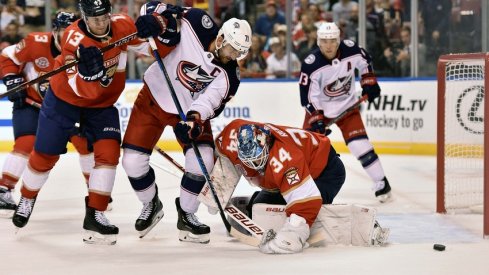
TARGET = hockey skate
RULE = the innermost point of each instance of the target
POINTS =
(191, 230)
(150, 215)
(384, 194)
(379, 235)
(23, 211)
(98, 229)
(7, 203)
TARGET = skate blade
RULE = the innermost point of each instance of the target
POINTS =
(385, 197)
(6, 213)
(186, 236)
(156, 221)
(92, 237)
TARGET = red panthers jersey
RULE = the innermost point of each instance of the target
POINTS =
(106, 91)
(296, 158)
(32, 57)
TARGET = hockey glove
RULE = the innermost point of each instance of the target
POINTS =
(317, 123)
(189, 130)
(171, 14)
(291, 238)
(91, 63)
(370, 86)
(18, 98)
(151, 25)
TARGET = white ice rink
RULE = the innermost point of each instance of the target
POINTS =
(51, 243)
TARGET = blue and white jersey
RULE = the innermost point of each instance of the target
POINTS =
(329, 85)
(201, 82)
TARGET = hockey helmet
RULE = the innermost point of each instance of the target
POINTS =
(328, 30)
(253, 146)
(63, 20)
(90, 8)
(237, 33)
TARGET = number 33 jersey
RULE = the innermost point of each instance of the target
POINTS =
(296, 158)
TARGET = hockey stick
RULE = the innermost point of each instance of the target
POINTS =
(233, 232)
(117, 43)
(345, 112)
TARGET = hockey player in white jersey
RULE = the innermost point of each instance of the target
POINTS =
(201, 60)
(327, 86)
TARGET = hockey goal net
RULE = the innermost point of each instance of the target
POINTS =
(462, 161)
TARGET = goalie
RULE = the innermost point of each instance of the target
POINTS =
(298, 171)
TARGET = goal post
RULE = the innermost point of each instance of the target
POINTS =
(463, 119)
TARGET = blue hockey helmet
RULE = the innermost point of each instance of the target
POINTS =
(253, 146)
(63, 20)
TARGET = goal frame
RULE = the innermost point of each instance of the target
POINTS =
(440, 193)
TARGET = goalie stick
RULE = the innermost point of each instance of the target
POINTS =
(117, 43)
(232, 231)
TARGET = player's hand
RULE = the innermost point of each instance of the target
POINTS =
(151, 25)
(370, 86)
(91, 63)
(189, 130)
(171, 14)
(317, 122)
(291, 238)
(18, 98)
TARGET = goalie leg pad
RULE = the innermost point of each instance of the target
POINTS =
(225, 178)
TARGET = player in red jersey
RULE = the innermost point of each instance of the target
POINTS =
(292, 166)
(29, 59)
(86, 93)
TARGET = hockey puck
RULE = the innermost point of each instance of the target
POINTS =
(439, 247)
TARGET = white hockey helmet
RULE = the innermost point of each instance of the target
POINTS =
(237, 33)
(328, 30)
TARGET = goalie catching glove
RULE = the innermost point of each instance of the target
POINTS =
(370, 86)
(291, 238)
(18, 98)
(187, 131)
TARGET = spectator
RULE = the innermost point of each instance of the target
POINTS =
(254, 64)
(11, 34)
(342, 11)
(298, 34)
(264, 24)
(11, 12)
(308, 45)
(277, 63)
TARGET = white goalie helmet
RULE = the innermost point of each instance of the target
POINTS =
(328, 30)
(237, 33)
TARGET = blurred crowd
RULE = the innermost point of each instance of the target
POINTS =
(443, 26)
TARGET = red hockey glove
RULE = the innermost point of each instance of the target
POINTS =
(370, 86)
(189, 130)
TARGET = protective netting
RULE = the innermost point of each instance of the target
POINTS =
(464, 133)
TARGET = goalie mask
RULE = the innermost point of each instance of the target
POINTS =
(236, 33)
(253, 146)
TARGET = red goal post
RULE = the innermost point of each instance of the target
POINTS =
(463, 119)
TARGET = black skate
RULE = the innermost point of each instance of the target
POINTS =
(191, 230)
(7, 203)
(384, 194)
(98, 229)
(150, 215)
(23, 211)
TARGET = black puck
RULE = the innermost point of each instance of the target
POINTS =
(438, 247)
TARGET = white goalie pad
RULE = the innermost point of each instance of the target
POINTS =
(342, 224)
(224, 177)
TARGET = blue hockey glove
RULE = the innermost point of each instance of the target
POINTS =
(189, 130)
(91, 63)
(370, 86)
(18, 98)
